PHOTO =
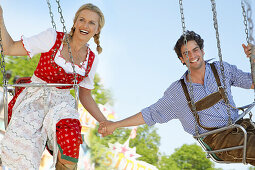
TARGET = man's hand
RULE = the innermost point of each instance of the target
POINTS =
(249, 50)
(106, 128)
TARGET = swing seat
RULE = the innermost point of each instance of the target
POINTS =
(212, 153)
(208, 148)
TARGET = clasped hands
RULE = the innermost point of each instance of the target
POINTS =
(106, 128)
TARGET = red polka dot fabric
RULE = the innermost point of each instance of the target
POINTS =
(69, 138)
(50, 72)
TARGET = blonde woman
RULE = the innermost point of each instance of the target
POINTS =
(30, 129)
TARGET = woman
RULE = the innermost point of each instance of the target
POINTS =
(31, 127)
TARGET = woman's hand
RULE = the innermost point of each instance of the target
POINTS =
(106, 128)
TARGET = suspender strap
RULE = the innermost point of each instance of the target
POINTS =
(184, 87)
(207, 101)
(215, 73)
(216, 76)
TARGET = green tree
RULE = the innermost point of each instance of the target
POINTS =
(21, 66)
(189, 157)
(100, 94)
(146, 143)
(166, 163)
(251, 168)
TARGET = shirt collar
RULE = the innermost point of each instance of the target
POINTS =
(207, 64)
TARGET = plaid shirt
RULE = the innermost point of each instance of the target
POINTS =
(174, 105)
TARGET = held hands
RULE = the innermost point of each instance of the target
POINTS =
(249, 50)
(106, 128)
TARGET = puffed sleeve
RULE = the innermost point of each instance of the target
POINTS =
(39, 43)
(88, 82)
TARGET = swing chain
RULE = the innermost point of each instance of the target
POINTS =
(51, 15)
(245, 22)
(213, 4)
(2, 63)
(69, 51)
(66, 37)
(194, 110)
(249, 32)
(250, 23)
(182, 19)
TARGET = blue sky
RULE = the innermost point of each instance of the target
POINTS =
(138, 62)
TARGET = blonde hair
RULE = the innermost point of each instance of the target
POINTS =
(95, 9)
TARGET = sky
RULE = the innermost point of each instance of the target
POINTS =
(138, 62)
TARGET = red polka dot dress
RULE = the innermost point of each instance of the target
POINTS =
(32, 126)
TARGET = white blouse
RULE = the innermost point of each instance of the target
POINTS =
(44, 41)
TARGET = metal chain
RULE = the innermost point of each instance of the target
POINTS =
(249, 15)
(194, 110)
(51, 15)
(248, 33)
(2, 61)
(5, 82)
(69, 51)
(220, 58)
(248, 21)
(245, 22)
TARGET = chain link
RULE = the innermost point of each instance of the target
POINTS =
(220, 58)
(250, 23)
(5, 82)
(51, 15)
(194, 110)
(249, 33)
(2, 63)
(245, 22)
(69, 51)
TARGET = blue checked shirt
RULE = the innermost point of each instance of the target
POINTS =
(174, 105)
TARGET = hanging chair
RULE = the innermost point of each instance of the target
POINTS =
(245, 109)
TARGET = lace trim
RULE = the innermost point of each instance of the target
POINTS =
(26, 47)
(67, 66)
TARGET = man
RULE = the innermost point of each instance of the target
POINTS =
(210, 98)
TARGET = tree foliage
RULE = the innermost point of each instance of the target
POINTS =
(189, 157)
(252, 168)
(21, 66)
(100, 94)
(146, 142)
